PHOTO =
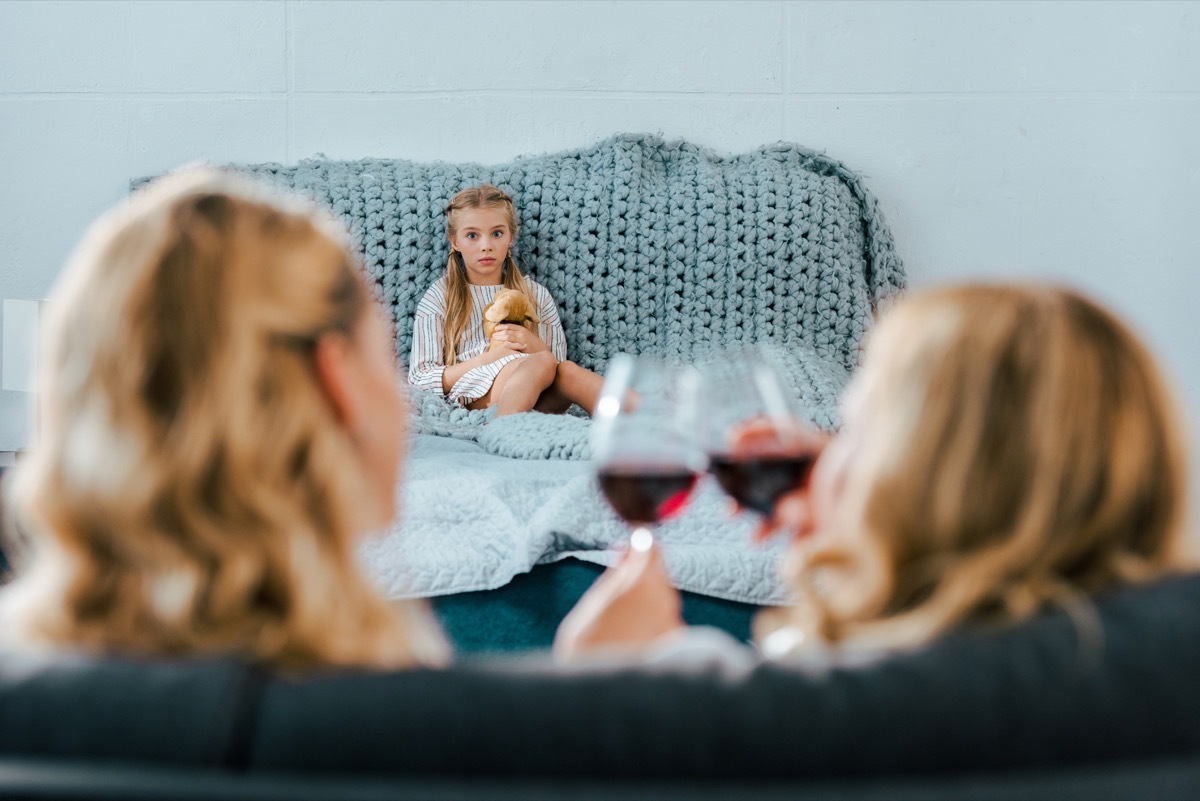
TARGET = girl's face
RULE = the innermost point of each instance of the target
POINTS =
(483, 238)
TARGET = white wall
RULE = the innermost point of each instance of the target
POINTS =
(1059, 140)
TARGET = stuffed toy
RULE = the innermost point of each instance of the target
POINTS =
(509, 306)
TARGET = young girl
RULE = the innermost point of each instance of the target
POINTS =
(450, 354)
(1003, 449)
(219, 426)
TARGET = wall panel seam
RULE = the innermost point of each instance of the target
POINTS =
(785, 65)
(289, 61)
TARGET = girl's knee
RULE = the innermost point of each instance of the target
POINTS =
(545, 365)
(536, 369)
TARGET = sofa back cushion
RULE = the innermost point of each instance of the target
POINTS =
(647, 246)
(1040, 694)
(74, 705)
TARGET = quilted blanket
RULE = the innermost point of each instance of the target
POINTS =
(522, 493)
(648, 246)
(501, 516)
(815, 384)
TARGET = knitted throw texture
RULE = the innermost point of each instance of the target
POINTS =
(646, 245)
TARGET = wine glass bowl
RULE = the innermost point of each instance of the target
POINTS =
(648, 460)
(646, 494)
(758, 441)
(758, 482)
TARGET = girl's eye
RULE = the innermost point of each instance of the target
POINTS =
(497, 234)
(471, 235)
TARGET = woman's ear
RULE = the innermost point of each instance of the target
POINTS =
(334, 358)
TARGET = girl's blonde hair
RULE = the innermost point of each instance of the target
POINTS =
(191, 490)
(458, 296)
(1017, 447)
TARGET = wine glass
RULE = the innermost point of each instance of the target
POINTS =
(648, 459)
(759, 443)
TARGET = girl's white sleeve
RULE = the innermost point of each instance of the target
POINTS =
(550, 330)
(425, 365)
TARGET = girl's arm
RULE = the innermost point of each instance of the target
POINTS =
(552, 329)
(450, 375)
(425, 367)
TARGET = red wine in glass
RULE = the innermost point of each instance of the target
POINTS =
(759, 445)
(643, 440)
(646, 494)
(758, 481)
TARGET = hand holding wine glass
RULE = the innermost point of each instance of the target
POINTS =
(632, 604)
(648, 462)
(759, 444)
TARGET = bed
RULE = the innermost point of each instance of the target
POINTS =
(648, 246)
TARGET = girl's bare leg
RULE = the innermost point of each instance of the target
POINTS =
(496, 390)
(572, 384)
(493, 392)
(524, 385)
(552, 402)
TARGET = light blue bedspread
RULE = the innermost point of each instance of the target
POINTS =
(484, 503)
(500, 516)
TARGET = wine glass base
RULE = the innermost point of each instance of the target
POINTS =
(641, 539)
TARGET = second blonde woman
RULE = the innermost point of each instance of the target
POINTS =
(1004, 449)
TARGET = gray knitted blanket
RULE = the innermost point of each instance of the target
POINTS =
(647, 246)
(814, 382)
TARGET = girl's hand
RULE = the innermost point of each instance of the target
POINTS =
(630, 605)
(496, 354)
(518, 338)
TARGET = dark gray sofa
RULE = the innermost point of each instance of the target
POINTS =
(1031, 712)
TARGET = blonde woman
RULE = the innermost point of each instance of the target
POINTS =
(1005, 449)
(450, 353)
(220, 423)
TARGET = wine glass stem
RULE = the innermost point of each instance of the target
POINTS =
(641, 539)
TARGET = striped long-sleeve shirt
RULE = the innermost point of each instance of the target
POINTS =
(425, 366)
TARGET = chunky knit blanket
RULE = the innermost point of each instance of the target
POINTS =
(648, 246)
(815, 384)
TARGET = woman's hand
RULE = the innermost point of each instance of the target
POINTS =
(518, 338)
(630, 605)
(792, 513)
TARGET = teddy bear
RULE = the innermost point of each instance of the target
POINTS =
(509, 306)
